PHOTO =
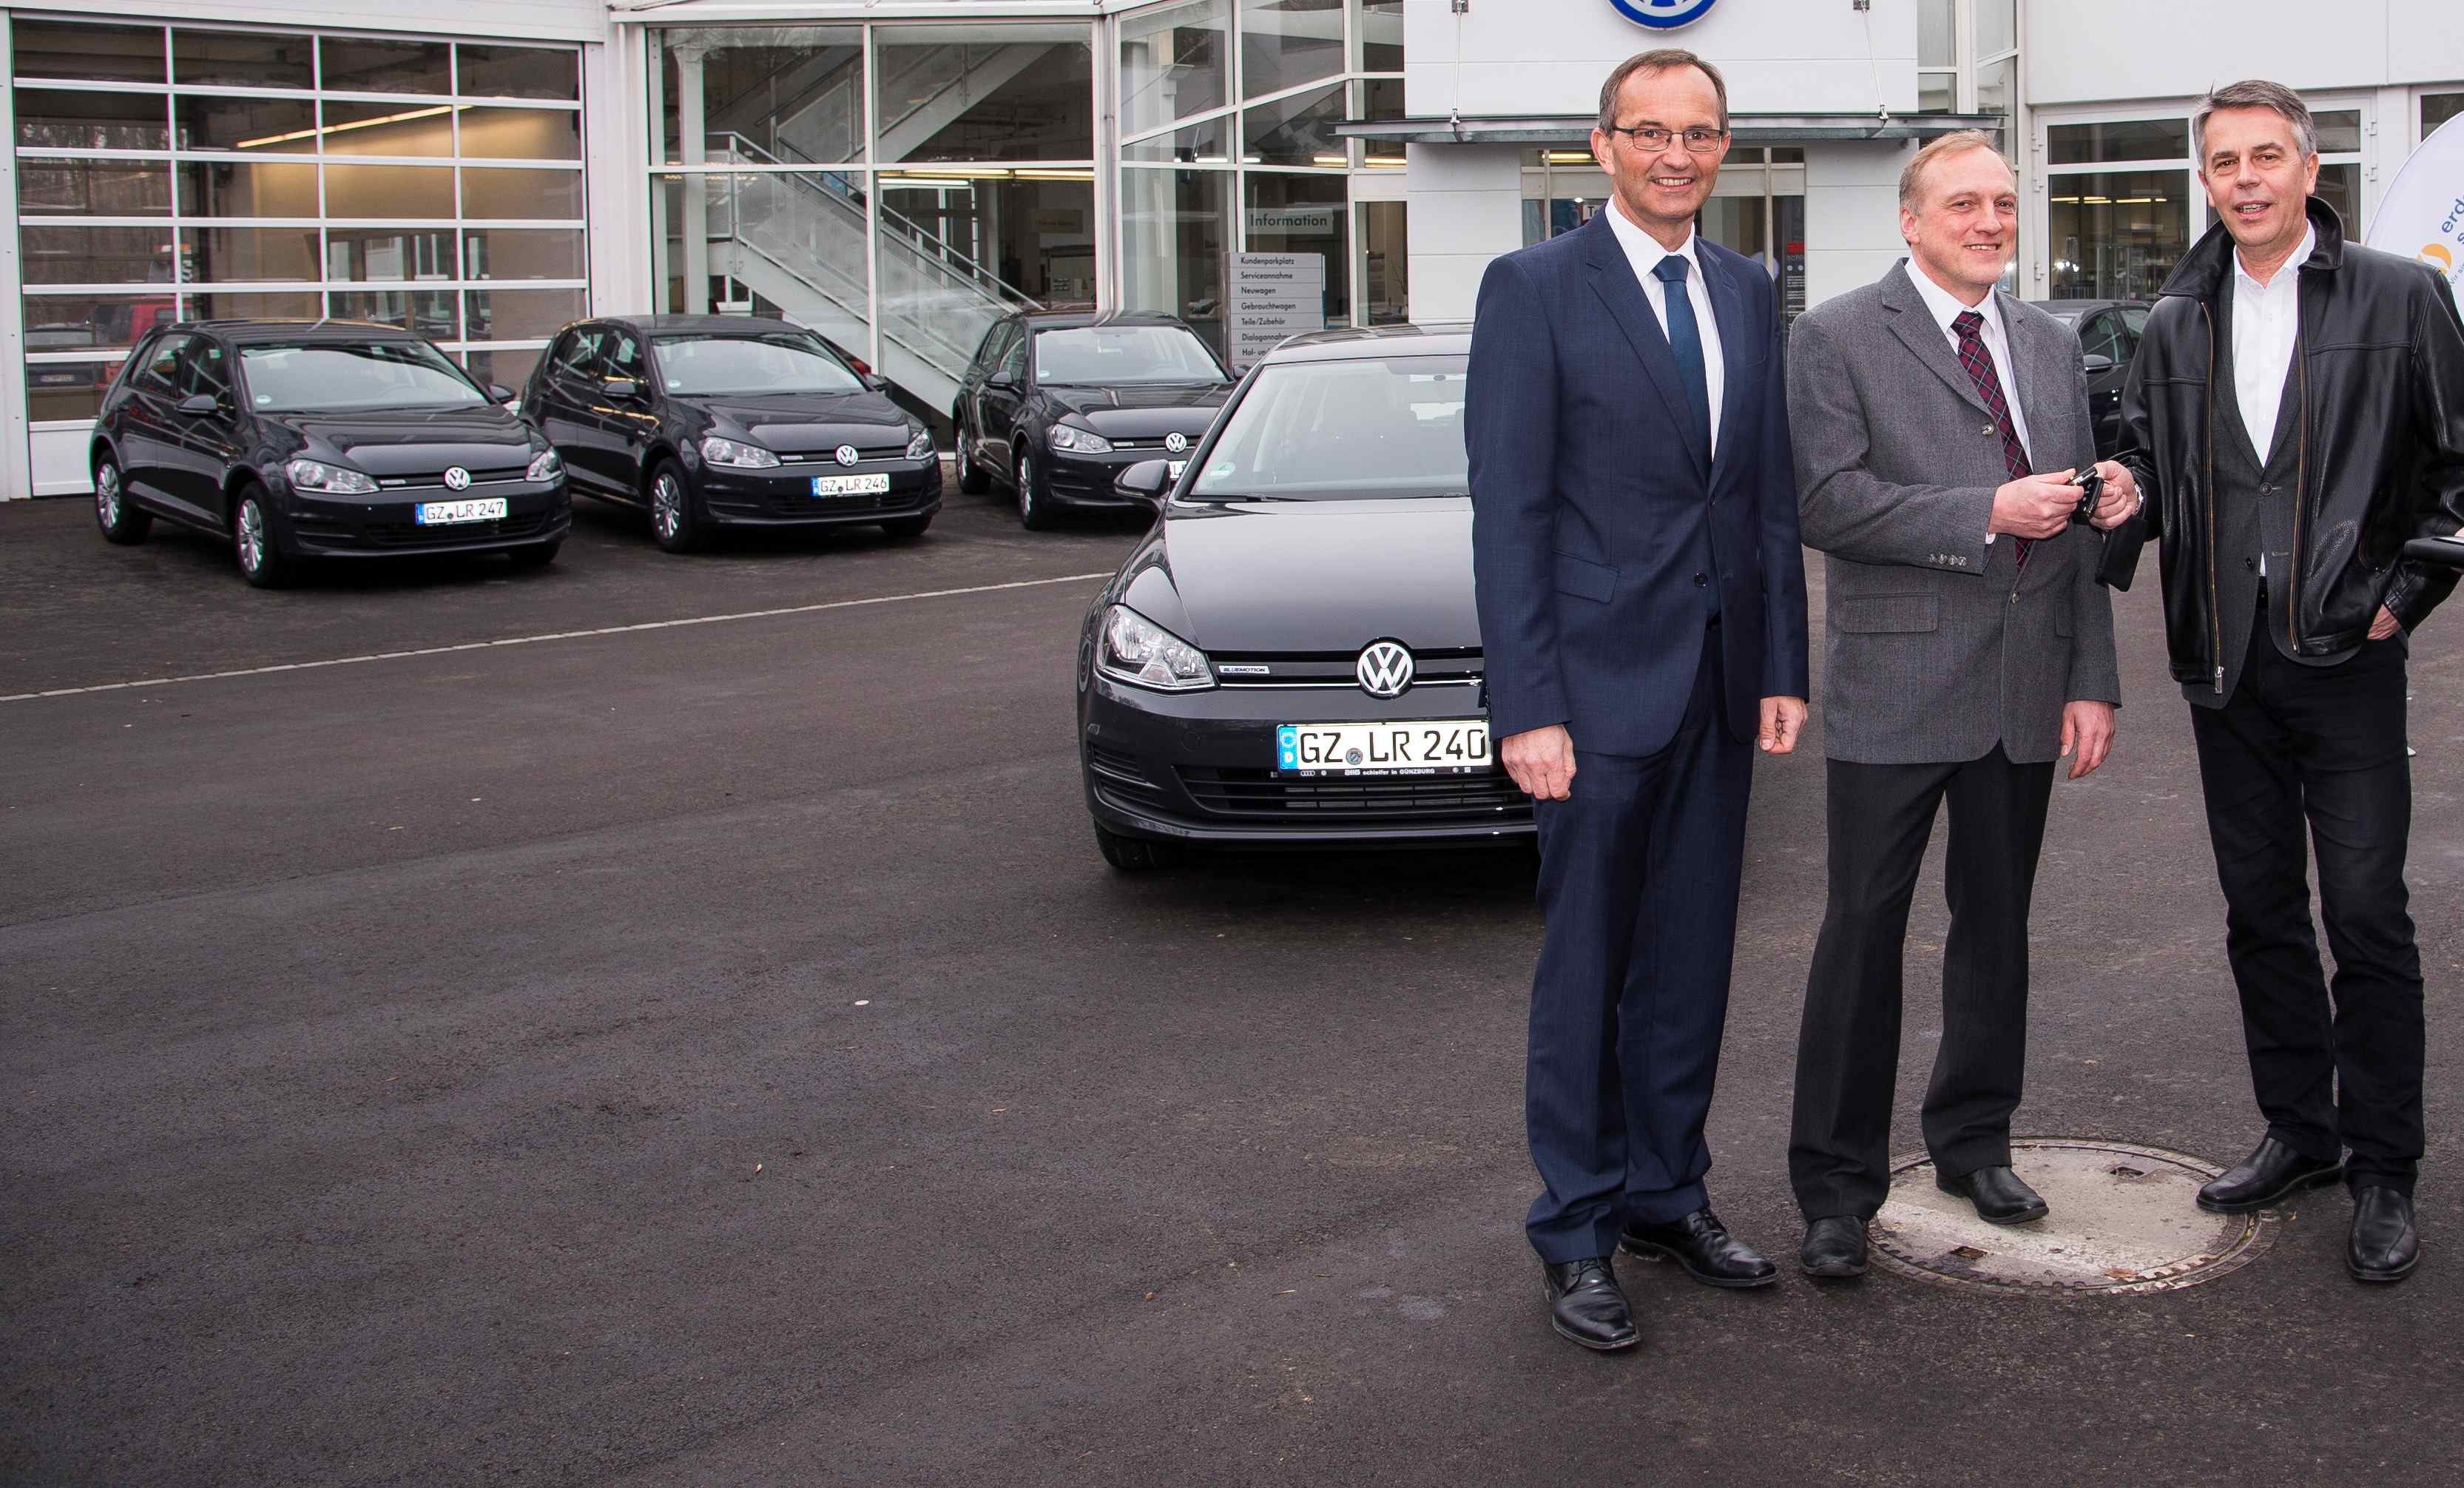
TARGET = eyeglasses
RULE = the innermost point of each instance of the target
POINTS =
(1652, 139)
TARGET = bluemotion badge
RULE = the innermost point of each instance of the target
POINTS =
(1664, 15)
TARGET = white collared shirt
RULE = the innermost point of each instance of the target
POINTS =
(2266, 322)
(1946, 308)
(1644, 253)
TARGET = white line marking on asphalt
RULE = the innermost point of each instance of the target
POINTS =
(558, 635)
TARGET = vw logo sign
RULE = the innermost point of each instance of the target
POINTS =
(456, 479)
(1385, 669)
(1176, 442)
(1664, 15)
(844, 454)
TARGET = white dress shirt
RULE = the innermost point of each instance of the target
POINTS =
(2266, 323)
(1644, 253)
(1947, 308)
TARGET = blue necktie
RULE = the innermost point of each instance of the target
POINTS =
(1686, 342)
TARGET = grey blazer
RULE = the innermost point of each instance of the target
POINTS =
(1938, 646)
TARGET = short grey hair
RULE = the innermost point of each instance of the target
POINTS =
(2253, 93)
(1956, 142)
(1659, 60)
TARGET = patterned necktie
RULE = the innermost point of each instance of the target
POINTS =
(1979, 361)
(1686, 342)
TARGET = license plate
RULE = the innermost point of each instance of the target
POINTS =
(1174, 468)
(1423, 747)
(877, 484)
(437, 514)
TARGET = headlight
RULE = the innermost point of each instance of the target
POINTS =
(1135, 648)
(743, 456)
(317, 475)
(920, 447)
(547, 467)
(1061, 436)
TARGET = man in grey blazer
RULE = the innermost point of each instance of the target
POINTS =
(1939, 425)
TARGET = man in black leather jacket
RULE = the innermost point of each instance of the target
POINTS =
(2295, 415)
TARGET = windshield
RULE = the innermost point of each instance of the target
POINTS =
(371, 374)
(1329, 431)
(1114, 356)
(785, 362)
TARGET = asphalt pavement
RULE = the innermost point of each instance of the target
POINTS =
(601, 1049)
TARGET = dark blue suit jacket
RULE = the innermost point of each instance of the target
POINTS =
(1595, 508)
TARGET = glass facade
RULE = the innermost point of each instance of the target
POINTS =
(183, 171)
(1756, 208)
(899, 184)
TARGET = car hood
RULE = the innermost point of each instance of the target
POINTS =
(1141, 412)
(803, 423)
(419, 442)
(1323, 576)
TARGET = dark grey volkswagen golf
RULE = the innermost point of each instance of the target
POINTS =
(1291, 656)
(326, 439)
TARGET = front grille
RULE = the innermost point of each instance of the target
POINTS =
(410, 533)
(1487, 798)
(1291, 668)
(798, 503)
(435, 480)
(830, 455)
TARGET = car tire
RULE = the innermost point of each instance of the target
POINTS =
(674, 526)
(113, 512)
(1135, 854)
(1034, 512)
(538, 557)
(907, 529)
(973, 478)
(253, 546)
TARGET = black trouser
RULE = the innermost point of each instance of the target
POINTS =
(1880, 817)
(2325, 744)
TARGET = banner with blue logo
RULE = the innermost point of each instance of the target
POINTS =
(1664, 15)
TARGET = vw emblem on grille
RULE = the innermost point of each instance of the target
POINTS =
(456, 479)
(1176, 442)
(844, 454)
(1385, 669)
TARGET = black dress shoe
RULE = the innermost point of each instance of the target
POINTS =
(2272, 1173)
(1703, 1246)
(1834, 1247)
(2383, 1246)
(1586, 1304)
(1999, 1196)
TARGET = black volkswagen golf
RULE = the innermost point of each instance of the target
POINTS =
(710, 421)
(300, 439)
(1057, 403)
(1292, 656)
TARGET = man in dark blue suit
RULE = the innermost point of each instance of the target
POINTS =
(1642, 614)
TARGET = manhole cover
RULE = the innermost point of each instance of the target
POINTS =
(2124, 1219)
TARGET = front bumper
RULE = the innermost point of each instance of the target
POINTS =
(784, 496)
(1074, 480)
(1199, 767)
(311, 524)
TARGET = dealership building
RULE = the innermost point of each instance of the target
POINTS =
(898, 175)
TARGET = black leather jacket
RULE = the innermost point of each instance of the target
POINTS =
(2380, 364)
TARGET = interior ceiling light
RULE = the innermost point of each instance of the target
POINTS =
(356, 123)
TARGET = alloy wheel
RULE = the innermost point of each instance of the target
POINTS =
(1026, 511)
(252, 537)
(106, 494)
(667, 506)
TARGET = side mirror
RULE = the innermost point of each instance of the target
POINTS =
(1147, 478)
(499, 392)
(199, 405)
(624, 389)
(2096, 362)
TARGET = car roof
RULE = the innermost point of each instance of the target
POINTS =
(1362, 342)
(715, 325)
(243, 332)
(1070, 320)
(2080, 306)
